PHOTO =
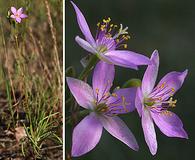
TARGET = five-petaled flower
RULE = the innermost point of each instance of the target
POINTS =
(104, 108)
(107, 41)
(18, 15)
(153, 103)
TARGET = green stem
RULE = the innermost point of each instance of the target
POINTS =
(93, 60)
(82, 113)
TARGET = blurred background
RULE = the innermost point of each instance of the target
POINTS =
(165, 25)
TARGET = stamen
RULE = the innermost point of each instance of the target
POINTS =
(114, 95)
(97, 92)
(160, 106)
(167, 113)
(108, 38)
(124, 103)
(105, 95)
(121, 31)
(98, 24)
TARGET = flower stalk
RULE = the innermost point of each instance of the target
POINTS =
(92, 62)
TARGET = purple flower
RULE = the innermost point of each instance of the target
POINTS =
(108, 39)
(104, 108)
(18, 15)
(153, 103)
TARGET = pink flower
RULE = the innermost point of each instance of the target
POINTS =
(104, 108)
(152, 103)
(18, 15)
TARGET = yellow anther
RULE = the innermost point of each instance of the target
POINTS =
(98, 24)
(153, 107)
(167, 113)
(114, 94)
(128, 36)
(97, 90)
(103, 27)
(115, 26)
(109, 19)
(105, 21)
(111, 25)
(125, 45)
(106, 94)
(108, 35)
(118, 87)
(163, 85)
(172, 89)
(117, 40)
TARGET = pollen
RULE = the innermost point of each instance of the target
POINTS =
(103, 27)
(167, 113)
(115, 26)
(114, 94)
(117, 40)
(107, 94)
(98, 24)
(97, 90)
(163, 85)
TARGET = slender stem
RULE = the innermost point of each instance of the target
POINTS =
(92, 62)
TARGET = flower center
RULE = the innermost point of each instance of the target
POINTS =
(148, 102)
(101, 108)
(102, 49)
(110, 108)
(160, 106)
(109, 36)
(17, 15)
(159, 101)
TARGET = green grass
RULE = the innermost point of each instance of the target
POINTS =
(31, 65)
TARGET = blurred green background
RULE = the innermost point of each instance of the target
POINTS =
(166, 25)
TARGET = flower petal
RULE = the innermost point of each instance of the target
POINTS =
(83, 25)
(19, 11)
(171, 82)
(139, 101)
(18, 19)
(149, 131)
(122, 101)
(127, 58)
(23, 16)
(103, 77)
(13, 16)
(85, 45)
(150, 74)
(82, 92)
(13, 10)
(86, 135)
(117, 128)
(170, 124)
